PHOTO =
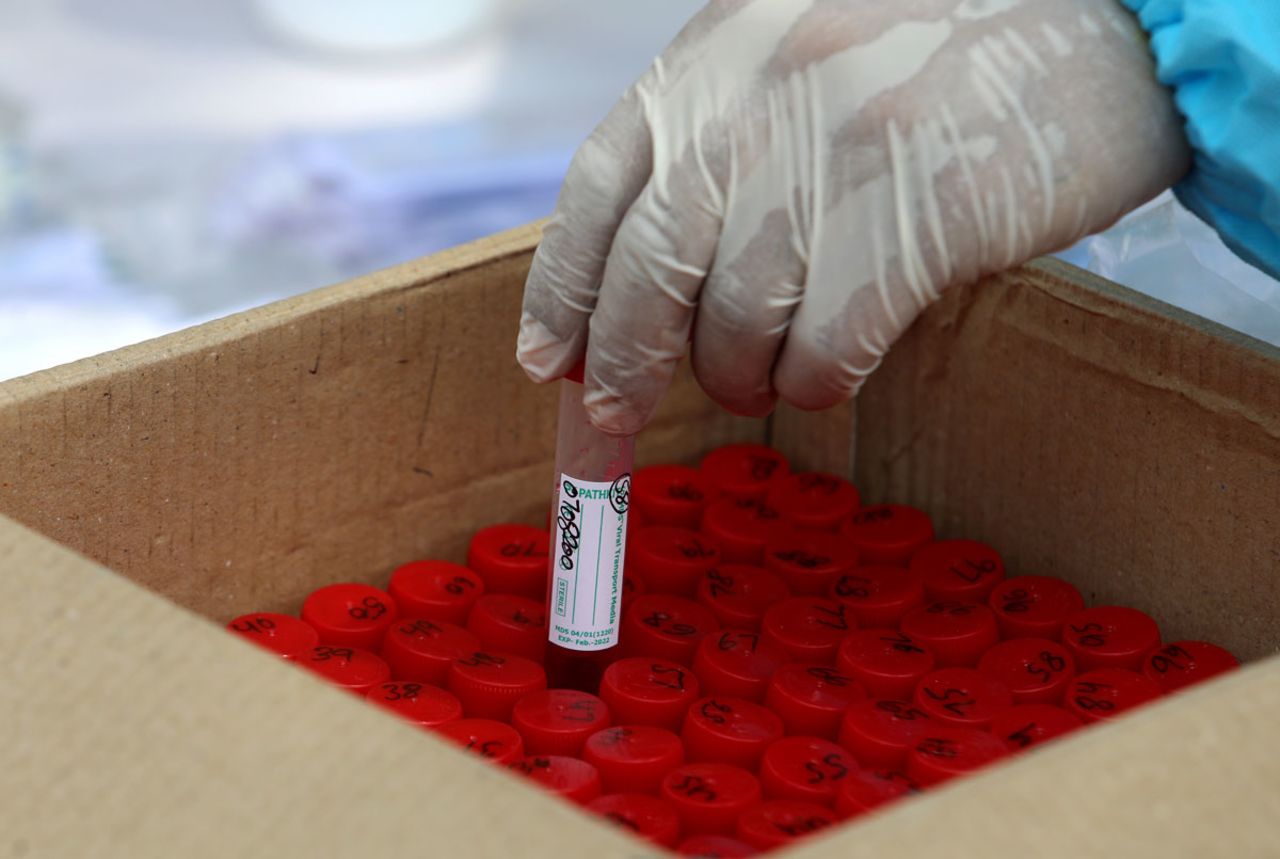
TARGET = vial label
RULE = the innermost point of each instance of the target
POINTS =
(586, 571)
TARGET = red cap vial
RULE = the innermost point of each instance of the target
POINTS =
(810, 629)
(665, 626)
(1184, 663)
(282, 634)
(1034, 606)
(643, 690)
(957, 633)
(887, 533)
(491, 740)
(958, 570)
(881, 732)
(811, 699)
(709, 797)
(886, 662)
(814, 500)
(809, 562)
(1105, 693)
(946, 751)
(633, 758)
(1032, 724)
(729, 731)
(962, 696)
(490, 684)
(737, 663)
(558, 721)
(743, 470)
(779, 822)
(741, 528)
(879, 594)
(739, 594)
(436, 590)
(566, 777)
(422, 650)
(809, 769)
(716, 847)
(864, 790)
(643, 816)
(510, 624)
(1110, 636)
(350, 668)
(672, 495)
(350, 615)
(512, 559)
(1034, 670)
(420, 703)
(671, 560)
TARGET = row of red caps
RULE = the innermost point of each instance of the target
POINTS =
(821, 663)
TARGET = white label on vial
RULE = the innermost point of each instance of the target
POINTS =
(586, 572)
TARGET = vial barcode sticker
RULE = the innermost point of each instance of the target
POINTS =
(586, 572)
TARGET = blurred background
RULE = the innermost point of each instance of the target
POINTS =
(164, 162)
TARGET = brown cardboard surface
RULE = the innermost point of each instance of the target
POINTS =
(238, 465)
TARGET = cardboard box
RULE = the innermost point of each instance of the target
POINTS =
(1087, 432)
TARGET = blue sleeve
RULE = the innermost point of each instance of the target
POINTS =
(1222, 60)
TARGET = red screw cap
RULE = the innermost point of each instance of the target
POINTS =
(863, 790)
(633, 758)
(741, 528)
(958, 633)
(814, 500)
(743, 470)
(422, 650)
(879, 594)
(809, 562)
(511, 624)
(811, 699)
(738, 594)
(887, 663)
(282, 634)
(648, 691)
(1034, 606)
(419, 703)
(632, 585)
(810, 629)
(958, 570)
(779, 822)
(671, 560)
(715, 847)
(436, 590)
(962, 696)
(643, 816)
(946, 751)
(809, 769)
(512, 559)
(572, 779)
(1035, 670)
(490, 684)
(1032, 724)
(491, 740)
(350, 615)
(737, 664)
(1184, 663)
(1110, 636)
(709, 797)
(665, 626)
(351, 668)
(887, 533)
(729, 731)
(880, 732)
(672, 495)
(558, 721)
(1105, 693)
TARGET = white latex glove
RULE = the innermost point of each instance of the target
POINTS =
(797, 181)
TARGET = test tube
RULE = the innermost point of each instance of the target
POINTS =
(588, 544)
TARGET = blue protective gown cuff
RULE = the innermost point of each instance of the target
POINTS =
(1222, 60)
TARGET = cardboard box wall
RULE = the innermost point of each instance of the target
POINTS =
(1085, 431)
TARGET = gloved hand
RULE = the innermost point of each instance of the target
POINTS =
(797, 181)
